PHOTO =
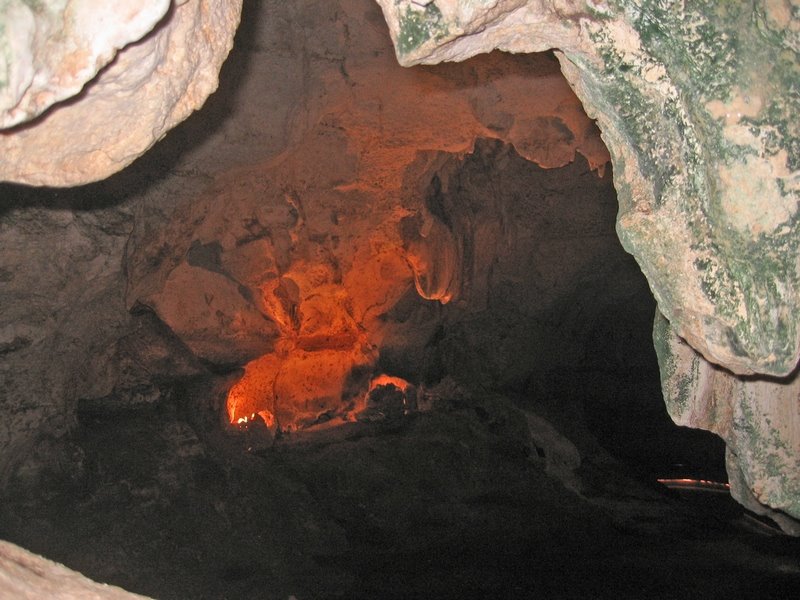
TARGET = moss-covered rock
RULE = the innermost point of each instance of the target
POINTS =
(758, 417)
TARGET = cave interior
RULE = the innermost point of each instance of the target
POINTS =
(359, 331)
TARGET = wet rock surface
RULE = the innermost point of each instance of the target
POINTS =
(457, 501)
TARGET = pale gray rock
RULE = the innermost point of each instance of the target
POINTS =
(52, 48)
(758, 417)
(28, 576)
(55, 50)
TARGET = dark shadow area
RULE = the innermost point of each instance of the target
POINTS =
(550, 310)
(450, 503)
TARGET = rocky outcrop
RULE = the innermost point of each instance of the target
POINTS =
(289, 271)
(717, 240)
(697, 109)
(276, 249)
(757, 417)
(27, 575)
(89, 87)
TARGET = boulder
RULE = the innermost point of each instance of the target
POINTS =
(90, 86)
(26, 575)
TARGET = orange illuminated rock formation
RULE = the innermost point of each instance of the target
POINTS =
(293, 263)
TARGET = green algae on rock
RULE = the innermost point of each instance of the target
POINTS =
(696, 104)
(756, 416)
(704, 101)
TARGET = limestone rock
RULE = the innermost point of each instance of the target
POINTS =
(697, 109)
(51, 49)
(61, 307)
(289, 220)
(287, 232)
(758, 418)
(213, 315)
(127, 99)
(25, 575)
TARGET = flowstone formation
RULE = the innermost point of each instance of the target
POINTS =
(279, 267)
(697, 104)
(87, 87)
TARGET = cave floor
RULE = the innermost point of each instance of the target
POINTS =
(451, 503)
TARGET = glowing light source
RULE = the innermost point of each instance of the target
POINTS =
(398, 382)
(705, 485)
(244, 420)
(330, 329)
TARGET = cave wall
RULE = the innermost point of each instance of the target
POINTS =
(718, 248)
(60, 277)
(296, 276)
(671, 86)
(267, 184)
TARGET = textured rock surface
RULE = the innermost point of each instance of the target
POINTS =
(52, 51)
(697, 105)
(334, 287)
(459, 501)
(286, 236)
(260, 197)
(24, 575)
(322, 133)
(65, 334)
(697, 108)
(60, 304)
(758, 419)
